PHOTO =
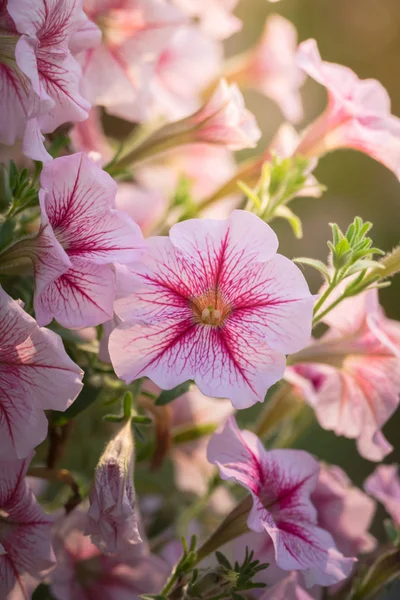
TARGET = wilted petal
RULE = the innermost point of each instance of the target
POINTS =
(33, 362)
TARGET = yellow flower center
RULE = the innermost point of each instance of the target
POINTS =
(210, 308)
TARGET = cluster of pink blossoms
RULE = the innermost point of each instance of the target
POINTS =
(134, 272)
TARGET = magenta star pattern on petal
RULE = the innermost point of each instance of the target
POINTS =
(25, 530)
(357, 116)
(214, 303)
(384, 485)
(351, 375)
(281, 483)
(77, 200)
(35, 374)
(41, 78)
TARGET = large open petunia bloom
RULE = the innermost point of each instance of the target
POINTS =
(25, 531)
(351, 375)
(213, 302)
(357, 116)
(281, 483)
(118, 73)
(384, 485)
(32, 362)
(76, 201)
(40, 77)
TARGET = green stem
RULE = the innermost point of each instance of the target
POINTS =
(318, 318)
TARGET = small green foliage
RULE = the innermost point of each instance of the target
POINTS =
(282, 179)
(168, 396)
(392, 532)
(19, 191)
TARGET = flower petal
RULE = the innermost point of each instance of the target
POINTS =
(82, 297)
(77, 200)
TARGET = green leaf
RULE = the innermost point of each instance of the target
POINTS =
(190, 434)
(168, 396)
(315, 264)
(222, 560)
(42, 592)
(114, 418)
(385, 569)
(294, 221)
(142, 420)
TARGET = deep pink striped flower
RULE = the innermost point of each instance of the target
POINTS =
(351, 375)
(215, 303)
(35, 374)
(40, 77)
(281, 483)
(25, 531)
(384, 485)
(77, 200)
(357, 116)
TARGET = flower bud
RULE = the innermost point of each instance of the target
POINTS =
(112, 518)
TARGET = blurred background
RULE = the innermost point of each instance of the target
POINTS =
(365, 36)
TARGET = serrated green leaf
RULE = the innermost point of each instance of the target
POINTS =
(168, 396)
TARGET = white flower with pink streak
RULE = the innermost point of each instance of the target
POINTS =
(213, 302)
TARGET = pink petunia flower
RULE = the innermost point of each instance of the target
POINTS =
(189, 63)
(118, 73)
(384, 485)
(84, 573)
(40, 79)
(33, 361)
(25, 531)
(215, 303)
(225, 120)
(357, 116)
(271, 68)
(112, 519)
(344, 510)
(77, 200)
(287, 589)
(215, 16)
(351, 376)
(281, 483)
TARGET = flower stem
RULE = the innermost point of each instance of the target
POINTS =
(62, 475)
